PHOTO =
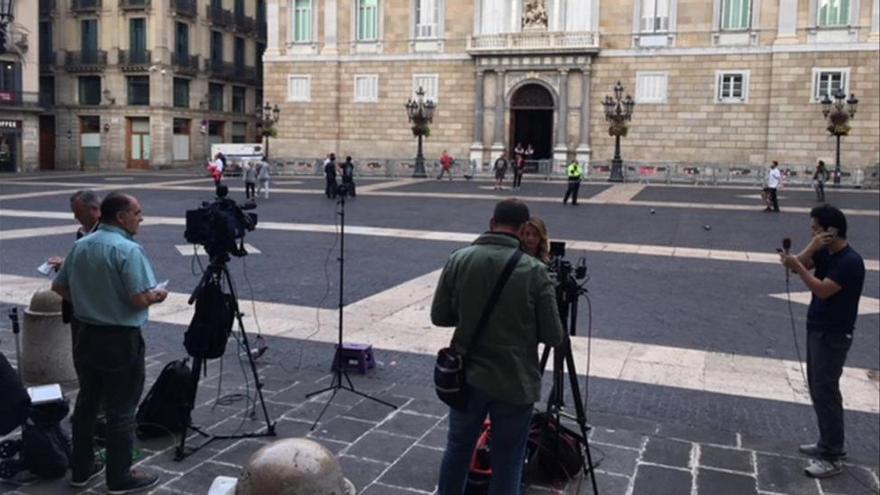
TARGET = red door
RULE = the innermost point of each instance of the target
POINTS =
(47, 142)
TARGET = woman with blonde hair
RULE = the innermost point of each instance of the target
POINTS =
(535, 239)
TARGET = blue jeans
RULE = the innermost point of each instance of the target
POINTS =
(510, 429)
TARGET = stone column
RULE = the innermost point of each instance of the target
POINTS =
(498, 143)
(786, 32)
(330, 28)
(583, 150)
(273, 21)
(477, 146)
(560, 151)
(875, 22)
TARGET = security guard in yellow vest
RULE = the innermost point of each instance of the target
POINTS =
(575, 174)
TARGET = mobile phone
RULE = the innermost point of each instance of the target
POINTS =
(832, 231)
(779, 250)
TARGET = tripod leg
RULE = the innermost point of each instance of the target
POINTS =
(581, 418)
(186, 414)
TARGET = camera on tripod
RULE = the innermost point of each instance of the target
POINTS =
(217, 225)
(562, 269)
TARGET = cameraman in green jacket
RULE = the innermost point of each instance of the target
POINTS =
(503, 373)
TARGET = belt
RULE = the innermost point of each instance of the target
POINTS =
(107, 328)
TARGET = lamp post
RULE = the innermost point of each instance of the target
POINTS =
(838, 114)
(7, 15)
(421, 113)
(618, 111)
(267, 117)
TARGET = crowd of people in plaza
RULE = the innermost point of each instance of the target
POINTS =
(255, 173)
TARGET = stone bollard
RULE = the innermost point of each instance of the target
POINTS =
(46, 350)
(293, 466)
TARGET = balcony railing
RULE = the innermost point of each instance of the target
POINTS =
(221, 70)
(540, 41)
(185, 8)
(185, 63)
(26, 99)
(85, 6)
(219, 16)
(244, 24)
(47, 7)
(88, 61)
(134, 60)
(134, 4)
(244, 74)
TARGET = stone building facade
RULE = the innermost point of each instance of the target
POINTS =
(727, 82)
(146, 83)
(19, 103)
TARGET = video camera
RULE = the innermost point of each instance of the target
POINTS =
(219, 224)
(562, 268)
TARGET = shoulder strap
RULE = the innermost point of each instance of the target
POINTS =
(496, 293)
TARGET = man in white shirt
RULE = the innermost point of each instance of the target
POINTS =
(774, 182)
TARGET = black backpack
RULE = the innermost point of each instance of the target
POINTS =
(45, 449)
(211, 323)
(554, 452)
(14, 406)
(166, 408)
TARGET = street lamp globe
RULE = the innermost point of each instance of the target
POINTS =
(851, 104)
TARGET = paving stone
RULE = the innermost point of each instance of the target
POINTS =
(730, 459)
(381, 489)
(371, 410)
(618, 422)
(207, 416)
(717, 483)
(380, 446)
(436, 437)
(294, 394)
(343, 397)
(361, 472)
(410, 425)
(288, 428)
(771, 446)
(698, 435)
(341, 429)
(197, 480)
(656, 480)
(417, 469)
(623, 438)
(310, 411)
(615, 459)
(608, 484)
(415, 392)
(429, 407)
(333, 446)
(855, 479)
(276, 410)
(784, 475)
(240, 453)
(667, 452)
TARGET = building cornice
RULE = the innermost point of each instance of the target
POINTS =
(743, 50)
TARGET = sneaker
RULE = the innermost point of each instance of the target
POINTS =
(813, 450)
(820, 468)
(96, 471)
(137, 482)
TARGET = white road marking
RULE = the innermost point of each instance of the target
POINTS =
(466, 237)
(385, 185)
(867, 305)
(7, 235)
(620, 193)
(120, 179)
(398, 320)
(195, 249)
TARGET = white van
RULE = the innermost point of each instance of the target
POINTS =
(236, 154)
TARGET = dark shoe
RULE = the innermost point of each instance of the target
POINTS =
(137, 482)
(768, 209)
(79, 482)
(820, 468)
(813, 450)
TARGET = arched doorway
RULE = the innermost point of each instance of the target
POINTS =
(531, 120)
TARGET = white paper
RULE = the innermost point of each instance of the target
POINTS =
(46, 269)
(162, 285)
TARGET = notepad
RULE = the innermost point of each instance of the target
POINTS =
(43, 394)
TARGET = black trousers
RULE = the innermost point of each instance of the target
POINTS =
(774, 200)
(349, 184)
(330, 187)
(826, 355)
(573, 187)
(109, 364)
(517, 178)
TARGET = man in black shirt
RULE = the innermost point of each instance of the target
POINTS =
(836, 284)
(330, 176)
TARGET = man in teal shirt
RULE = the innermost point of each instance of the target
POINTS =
(110, 282)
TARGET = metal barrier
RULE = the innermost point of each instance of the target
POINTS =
(596, 171)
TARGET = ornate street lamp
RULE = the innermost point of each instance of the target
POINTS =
(838, 113)
(421, 113)
(7, 15)
(267, 117)
(618, 111)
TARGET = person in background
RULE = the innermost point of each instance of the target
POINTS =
(250, 180)
(500, 167)
(774, 182)
(216, 168)
(264, 175)
(519, 166)
(575, 175)
(348, 176)
(820, 177)
(330, 176)
(446, 162)
(535, 240)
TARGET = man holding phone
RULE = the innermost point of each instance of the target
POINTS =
(836, 283)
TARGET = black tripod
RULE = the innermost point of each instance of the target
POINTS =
(338, 369)
(217, 273)
(567, 294)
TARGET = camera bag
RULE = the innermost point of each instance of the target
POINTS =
(449, 371)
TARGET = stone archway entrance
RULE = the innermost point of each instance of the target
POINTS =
(531, 120)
